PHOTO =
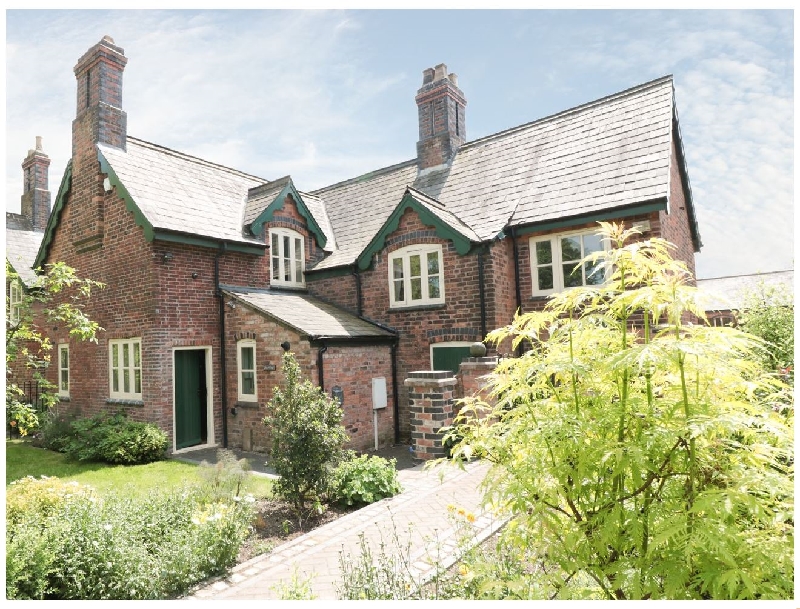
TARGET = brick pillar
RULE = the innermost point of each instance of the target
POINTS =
(472, 377)
(431, 396)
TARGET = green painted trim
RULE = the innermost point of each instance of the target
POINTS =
(339, 271)
(265, 216)
(607, 215)
(63, 189)
(461, 243)
(130, 204)
(232, 246)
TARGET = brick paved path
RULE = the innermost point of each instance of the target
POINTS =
(420, 513)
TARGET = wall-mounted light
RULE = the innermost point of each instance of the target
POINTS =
(285, 345)
(195, 275)
(167, 257)
(233, 411)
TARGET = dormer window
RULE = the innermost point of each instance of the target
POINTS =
(287, 249)
(415, 276)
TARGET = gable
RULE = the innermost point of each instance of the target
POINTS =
(256, 226)
(430, 213)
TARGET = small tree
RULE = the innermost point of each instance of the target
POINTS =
(307, 438)
(768, 313)
(654, 463)
(58, 295)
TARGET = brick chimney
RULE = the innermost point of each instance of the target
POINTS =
(99, 117)
(99, 120)
(442, 124)
(35, 202)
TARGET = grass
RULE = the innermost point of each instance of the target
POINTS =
(22, 460)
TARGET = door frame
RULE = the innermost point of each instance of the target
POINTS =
(210, 441)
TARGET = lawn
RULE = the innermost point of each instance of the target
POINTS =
(23, 459)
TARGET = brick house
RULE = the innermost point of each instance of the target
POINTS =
(213, 272)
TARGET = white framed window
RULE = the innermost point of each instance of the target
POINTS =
(63, 370)
(722, 321)
(287, 250)
(125, 368)
(246, 364)
(15, 296)
(416, 276)
(555, 262)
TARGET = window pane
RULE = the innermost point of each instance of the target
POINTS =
(416, 266)
(572, 275)
(115, 380)
(126, 381)
(126, 356)
(248, 383)
(592, 278)
(137, 381)
(544, 253)
(115, 356)
(416, 287)
(570, 248)
(64, 380)
(287, 264)
(399, 291)
(298, 260)
(433, 263)
(136, 358)
(247, 358)
(397, 268)
(433, 287)
(276, 257)
(64, 358)
(545, 277)
(592, 243)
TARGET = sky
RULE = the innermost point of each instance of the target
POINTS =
(327, 95)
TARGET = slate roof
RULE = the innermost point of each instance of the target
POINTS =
(729, 293)
(600, 156)
(306, 314)
(22, 245)
(180, 193)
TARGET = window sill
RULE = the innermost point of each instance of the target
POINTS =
(241, 404)
(544, 298)
(64, 398)
(124, 402)
(422, 307)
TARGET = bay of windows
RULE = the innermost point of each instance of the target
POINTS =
(415, 276)
(555, 262)
(286, 255)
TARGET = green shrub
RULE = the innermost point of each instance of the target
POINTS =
(38, 498)
(124, 547)
(54, 431)
(225, 477)
(115, 439)
(308, 437)
(365, 479)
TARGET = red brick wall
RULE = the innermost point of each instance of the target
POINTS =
(349, 367)
(675, 226)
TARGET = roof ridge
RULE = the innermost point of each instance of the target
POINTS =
(196, 159)
(369, 174)
(574, 110)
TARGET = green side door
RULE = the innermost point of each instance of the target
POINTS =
(449, 358)
(190, 398)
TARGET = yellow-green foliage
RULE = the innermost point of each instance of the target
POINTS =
(39, 498)
(641, 456)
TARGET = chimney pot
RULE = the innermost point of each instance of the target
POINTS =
(440, 72)
(453, 79)
(39, 142)
(427, 76)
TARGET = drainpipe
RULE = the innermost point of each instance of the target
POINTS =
(322, 350)
(223, 368)
(516, 267)
(357, 275)
(395, 392)
(482, 292)
(518, 350)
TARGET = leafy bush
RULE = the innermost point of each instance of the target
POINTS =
(115, 439)
(21, 416)
(646, 463)
(39, 498)
(123, 547)
(365, 479)
(308, 436)
(54, 431)
(769, 314)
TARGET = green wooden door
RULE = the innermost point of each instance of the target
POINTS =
(449, 358)
(190, 398)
